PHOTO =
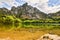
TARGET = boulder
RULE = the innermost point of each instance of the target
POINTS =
(49, 37)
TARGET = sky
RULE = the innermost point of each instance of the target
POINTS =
(47, 6)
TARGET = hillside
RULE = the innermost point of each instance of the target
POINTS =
(28, 12)
(25, 12)
(55, 16)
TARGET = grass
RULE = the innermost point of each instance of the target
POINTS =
(27, 33)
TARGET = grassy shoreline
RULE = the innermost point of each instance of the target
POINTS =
(27, 33)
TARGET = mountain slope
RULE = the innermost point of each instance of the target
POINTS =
(55, 16)
(25, 12)
(28, 12)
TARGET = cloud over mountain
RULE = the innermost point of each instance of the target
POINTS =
(47, 6)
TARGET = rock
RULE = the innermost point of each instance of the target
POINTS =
(49, 37)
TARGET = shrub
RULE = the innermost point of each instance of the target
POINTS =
(9, 20)
(17, 23)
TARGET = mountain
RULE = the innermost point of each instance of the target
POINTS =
(25, 12)
(28, 12)
(55, 16)
(5, 11)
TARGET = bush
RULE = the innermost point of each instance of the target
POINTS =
(17, 23)
(9, 20)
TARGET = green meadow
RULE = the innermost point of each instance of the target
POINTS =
(11, 22)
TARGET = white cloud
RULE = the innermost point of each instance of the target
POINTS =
(9, 2)
(40, 4)
(43, 5)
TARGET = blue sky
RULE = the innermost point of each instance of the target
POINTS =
(53, 2)
(46, 6)
(5, 5)
(20, 2)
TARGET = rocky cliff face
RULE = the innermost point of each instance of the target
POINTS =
(28, 12)
(25, 11)
(55, 15)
